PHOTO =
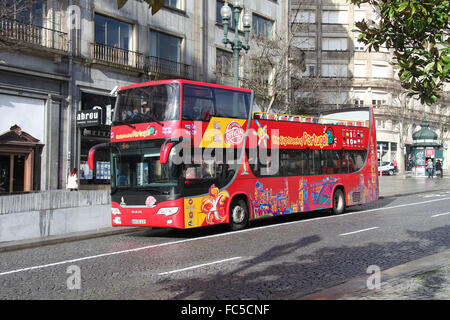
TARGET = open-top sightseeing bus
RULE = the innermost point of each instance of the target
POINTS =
(187, 154)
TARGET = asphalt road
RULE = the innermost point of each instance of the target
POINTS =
(280, 258)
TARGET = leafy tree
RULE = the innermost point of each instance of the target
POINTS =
(154, 4)
(418, 31)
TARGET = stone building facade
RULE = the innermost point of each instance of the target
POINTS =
(60, 60)
(340, 71)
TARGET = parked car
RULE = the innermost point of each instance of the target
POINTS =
(387, 168)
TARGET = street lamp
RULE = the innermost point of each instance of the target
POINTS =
(236, 44)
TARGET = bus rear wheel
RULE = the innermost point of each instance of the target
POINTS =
(338, 202)
(239, 216)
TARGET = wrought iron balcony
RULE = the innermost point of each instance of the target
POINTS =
(29, 34)
(117, 56)
(168, 68)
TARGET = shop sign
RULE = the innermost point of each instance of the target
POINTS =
(88, 118)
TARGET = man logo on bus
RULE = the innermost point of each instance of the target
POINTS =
(234, 134)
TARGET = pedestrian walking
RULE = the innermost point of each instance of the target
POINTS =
(72, 180)
(430, 168)
(439, 169)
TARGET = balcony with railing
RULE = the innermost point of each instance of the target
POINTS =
(115, 56)
(164, 67)
(16, 32)
(135, 61)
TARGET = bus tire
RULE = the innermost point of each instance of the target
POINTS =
(239, 216)
(338, 201)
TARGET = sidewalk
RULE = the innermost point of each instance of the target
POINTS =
(398, 185)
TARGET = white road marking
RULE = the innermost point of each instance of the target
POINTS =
(199, 266)
(358, 231)
(214, 236)
(440, 214)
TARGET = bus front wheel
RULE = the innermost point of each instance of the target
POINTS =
(338, 202)
(238, 214)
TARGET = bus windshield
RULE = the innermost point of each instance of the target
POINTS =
(136, 165)
(201, 102)
(148, 104)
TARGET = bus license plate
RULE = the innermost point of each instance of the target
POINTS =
(138, 221)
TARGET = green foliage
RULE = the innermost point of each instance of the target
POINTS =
(154, 4)
(418, 31)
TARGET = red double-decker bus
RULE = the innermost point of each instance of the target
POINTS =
(187, 154)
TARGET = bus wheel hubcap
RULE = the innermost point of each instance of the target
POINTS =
(339, 202)
(238, 214)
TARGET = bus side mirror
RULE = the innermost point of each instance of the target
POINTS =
(165, 149)
(91, 158)
(92, 152)
(164, 152)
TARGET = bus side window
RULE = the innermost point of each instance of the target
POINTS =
(346, 161)
(313, 163)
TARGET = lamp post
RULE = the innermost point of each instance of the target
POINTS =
(236, 44)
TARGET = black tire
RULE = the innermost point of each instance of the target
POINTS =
(391, 172)
(239, 215)
(338, 202)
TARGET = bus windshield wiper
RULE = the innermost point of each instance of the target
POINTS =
(123, 122)
(152, 117)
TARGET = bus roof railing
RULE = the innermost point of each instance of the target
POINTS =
(309, 119)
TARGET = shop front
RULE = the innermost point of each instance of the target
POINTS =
(20, 161)
(94, 123)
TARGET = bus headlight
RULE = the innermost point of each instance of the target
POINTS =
(115, 211)
(168, 211)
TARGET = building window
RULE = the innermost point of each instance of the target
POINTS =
(379, 99)
(359, 46)
(334, 44)
(334, 70)
(304, 16)
(310, 71)
(359, 15)
(360, 71)
(30, 12)
(304, 43)
(262, 27)
(219, 5)
(176, 4)
(224, 66)
(165, 46)
(380, 71)
(112, 32)
(335, 17)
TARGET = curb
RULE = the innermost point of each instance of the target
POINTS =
(33, 243)
(411, 193)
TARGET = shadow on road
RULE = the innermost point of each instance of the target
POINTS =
(286, 272)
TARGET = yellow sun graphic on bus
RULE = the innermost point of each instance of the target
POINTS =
(261, 134)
